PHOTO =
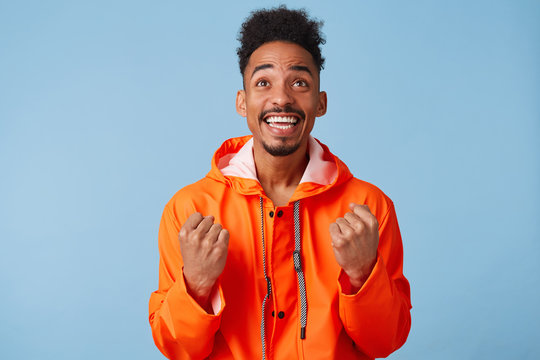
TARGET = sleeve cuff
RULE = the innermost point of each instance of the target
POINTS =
(217, 300)
(187, 322)
(372, 295)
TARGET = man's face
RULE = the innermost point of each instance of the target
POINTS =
(281, 98)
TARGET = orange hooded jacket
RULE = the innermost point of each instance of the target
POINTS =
(371, 323)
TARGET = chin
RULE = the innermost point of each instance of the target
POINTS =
(281, 149)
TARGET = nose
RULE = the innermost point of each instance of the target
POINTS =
(281, 95)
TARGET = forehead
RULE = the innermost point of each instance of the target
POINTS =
(281, 54)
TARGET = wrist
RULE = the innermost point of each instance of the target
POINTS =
(356, 284)
(199, 292)
(359, 277)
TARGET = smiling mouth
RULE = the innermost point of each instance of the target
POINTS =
(281, 122)
(282, 118)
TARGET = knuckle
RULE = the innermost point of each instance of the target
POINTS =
(348, 232)
(196, 236)
(351, 218)
(360, 209)
(206, 220)
(338, 242)
(360, 229)
(197, 217)
(183, 233)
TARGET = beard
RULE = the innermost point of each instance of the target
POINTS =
(282, 149)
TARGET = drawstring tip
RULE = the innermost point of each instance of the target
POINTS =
(302, 333)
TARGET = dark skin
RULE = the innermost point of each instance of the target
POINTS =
(279, 75)
(204, 249)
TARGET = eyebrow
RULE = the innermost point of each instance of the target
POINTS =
(301, 68)
(270, 66)
(261, 67)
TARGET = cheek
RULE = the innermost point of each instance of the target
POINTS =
(308, 100)
(253, 127)
(257, 98)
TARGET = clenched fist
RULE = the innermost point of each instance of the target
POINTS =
(355, 238)
(204, 249)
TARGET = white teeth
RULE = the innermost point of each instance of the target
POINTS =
(283, 120)
(280, 126)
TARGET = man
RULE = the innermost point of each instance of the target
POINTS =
(279, 252)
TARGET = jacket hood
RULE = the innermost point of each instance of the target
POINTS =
(234, 166)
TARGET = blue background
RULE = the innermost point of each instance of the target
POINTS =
(108, 108)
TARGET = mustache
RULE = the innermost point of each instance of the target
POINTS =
(287, 109)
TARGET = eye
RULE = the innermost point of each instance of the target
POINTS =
(300, 83)
(262, 83)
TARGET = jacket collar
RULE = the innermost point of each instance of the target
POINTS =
(234, 165)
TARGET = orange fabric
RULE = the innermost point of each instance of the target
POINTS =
(371, 323)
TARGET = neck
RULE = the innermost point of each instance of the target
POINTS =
(280, 175)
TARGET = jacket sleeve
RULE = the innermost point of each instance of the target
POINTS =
(180, 327)
(377, 317)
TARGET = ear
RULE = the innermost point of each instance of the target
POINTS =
(241, 103)
(321, 106)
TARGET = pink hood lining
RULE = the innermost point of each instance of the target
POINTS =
(242, 164)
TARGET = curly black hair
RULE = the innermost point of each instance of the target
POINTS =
(280, 23)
